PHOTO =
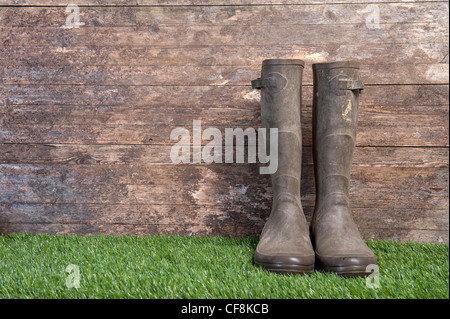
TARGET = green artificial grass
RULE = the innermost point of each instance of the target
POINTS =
(34, 266)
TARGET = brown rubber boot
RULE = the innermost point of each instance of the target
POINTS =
(284, 244)
(338, 245)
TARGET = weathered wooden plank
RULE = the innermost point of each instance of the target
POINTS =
(394, 219)
(183, 97)
(397, 192)
(404, 235)
(107, 229)
(136, 219)
(420, 235)
(232, 199)
(122, 3)
(98, 213)
(188, 35)
(56, 154)
(79, 124)
(214, 184)
(342, 13)
(406, 73)
(378, 130)
(413, 127)
(431, 226)
(190, 75)
(223, 55)
(372, 218)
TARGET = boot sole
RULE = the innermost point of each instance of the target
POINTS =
(287, 269)
(346, 271)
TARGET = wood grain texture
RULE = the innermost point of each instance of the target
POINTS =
(86, 113)
(419, 157)
(219, 35)
(222, 55)
(228, 14)
(213, 198)
(398, 115)
(401, 187)
(121, 3)
(201, 75)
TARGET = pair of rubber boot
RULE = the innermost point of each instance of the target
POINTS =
(332, 242)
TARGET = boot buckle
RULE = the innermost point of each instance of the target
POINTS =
(257, 84)
(273, 82)
(341, 85)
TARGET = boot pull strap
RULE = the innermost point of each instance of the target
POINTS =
(274, 82)
(345, 84)
(340, 85)
(257, 84)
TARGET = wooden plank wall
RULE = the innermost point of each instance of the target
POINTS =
(86, 112)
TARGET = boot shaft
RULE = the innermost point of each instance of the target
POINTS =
(335, 98)
(281, 88)
(335, 116)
